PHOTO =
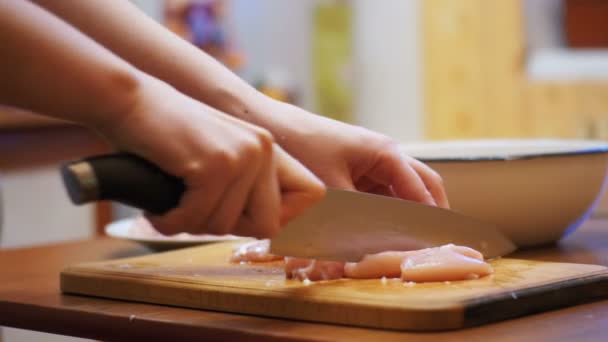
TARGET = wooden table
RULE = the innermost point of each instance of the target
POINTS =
(30, 299)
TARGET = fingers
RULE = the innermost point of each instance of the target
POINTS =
(432, 181)
(342, 180)
(191, 216)
(382, 190)
(219, 181)
(232, 205)
(393, 170)
(229, 188)
(300, 188)
(283, 189)
(273, 189)
(262, 215)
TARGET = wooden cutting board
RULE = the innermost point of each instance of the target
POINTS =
(202, 277)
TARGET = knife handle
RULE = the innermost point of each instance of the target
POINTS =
(123, 178)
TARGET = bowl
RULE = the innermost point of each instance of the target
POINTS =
(535, 191)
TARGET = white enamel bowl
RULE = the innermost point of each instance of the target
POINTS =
(536, 191)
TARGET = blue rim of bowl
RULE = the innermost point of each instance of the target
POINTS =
(583, 151)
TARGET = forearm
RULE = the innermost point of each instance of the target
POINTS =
(123, 28)
(50, 67)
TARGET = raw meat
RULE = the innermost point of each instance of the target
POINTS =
(385, 264)
(445, 263)
(298, 268)
(254, 251)
(448, 262)
(313, 269)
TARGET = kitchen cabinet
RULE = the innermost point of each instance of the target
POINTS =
(477, 85)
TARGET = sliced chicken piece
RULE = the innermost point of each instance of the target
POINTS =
(443, 263)
(254, 251)
(313, 270)
(385, 264)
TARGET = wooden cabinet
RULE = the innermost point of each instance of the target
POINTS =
(586, 23)
(476, 83)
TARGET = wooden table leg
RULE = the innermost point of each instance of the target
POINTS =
(103, 216)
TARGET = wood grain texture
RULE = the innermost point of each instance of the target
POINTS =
(202, 277)
(554, 110)
(593, 107)
(476, 84)
(454, 79)
(502, 64)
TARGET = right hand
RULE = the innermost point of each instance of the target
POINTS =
(238, 181)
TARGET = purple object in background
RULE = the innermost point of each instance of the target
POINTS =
(204, 23)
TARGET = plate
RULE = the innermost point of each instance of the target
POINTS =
(138, 229)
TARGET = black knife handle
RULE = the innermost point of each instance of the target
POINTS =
(123, 178)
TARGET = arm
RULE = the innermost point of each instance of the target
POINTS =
(123, 28)
(238, 181)
(43, 70)
(341, 155)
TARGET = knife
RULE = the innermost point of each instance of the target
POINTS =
(343, 226)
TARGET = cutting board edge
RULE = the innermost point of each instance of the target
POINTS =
(472, 312)
(85, 269)
(540, 298)
(118, 279)
(98, 284)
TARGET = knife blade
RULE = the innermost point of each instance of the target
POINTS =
(347, 225)
(343, 226)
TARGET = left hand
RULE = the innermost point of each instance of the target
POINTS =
(351, 157)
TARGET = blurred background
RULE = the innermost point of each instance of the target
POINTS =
(412, 69)
(415, 70)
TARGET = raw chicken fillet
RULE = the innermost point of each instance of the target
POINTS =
(254, 251)
(445, 263)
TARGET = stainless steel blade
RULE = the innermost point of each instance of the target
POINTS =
(347, 225)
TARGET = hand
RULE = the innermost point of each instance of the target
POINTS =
(238, 181)
(351, 157)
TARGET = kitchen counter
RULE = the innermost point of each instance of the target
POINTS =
(30, 299)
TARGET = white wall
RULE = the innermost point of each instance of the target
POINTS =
(154, 8)
(543, 21)
(36, 210)
(275, 36)
(388, 64)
